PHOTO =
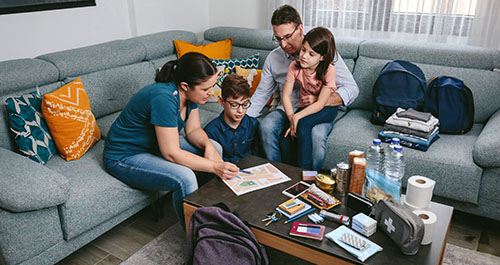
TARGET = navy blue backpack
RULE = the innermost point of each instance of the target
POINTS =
(399, 84)
(451, 101)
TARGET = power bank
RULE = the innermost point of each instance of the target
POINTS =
(359, 203)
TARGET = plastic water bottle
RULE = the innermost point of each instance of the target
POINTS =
(395, 164)
(394, 142)
(375, 157)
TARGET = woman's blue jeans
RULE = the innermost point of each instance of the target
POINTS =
(151, 172)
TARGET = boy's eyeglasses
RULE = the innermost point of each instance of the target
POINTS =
(236, 105)
(286, 38)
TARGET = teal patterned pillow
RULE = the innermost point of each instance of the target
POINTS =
(31, 132)
(250, 62)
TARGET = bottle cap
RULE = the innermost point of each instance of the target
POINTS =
(395, 140)
(377, 141)
(398, 148)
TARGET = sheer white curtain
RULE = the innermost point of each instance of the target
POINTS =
(421, 20)
(486, 27)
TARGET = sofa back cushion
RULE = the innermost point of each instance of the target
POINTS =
(161, 44)
(110, 90)
(76, 62)
(474, 72)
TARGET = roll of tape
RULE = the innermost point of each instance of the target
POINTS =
(419, 192)
(429, 219)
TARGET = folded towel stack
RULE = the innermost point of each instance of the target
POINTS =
(415, 129)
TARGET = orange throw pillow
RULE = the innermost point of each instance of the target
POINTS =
(71, 123)
(214, 50)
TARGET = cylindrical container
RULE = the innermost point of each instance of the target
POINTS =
(325, 183)
(357, 175)
(353, 154)
(375, 157)
(395, 164)
(343, 174)
(429, 219)
(339, 218)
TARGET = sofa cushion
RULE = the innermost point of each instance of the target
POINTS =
(28, 234)
(27, 186)
(444, 54)
(448, 163)
(215, 50)
(14, 77)
(76, 62)
(70, 119)
(487, 147)
(242, 37)
(94, 195)
(206, 115)
(348, 47)
(162, 44)
(110, 90)
(32, 134)
(106, 122)
(158, 63)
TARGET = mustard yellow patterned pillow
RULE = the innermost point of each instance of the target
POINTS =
(71, 122)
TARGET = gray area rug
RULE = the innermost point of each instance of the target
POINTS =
(169, 247)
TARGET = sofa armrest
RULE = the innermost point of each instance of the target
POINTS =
(26, 185)
(486, 151)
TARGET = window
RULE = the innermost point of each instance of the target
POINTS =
(438, 19)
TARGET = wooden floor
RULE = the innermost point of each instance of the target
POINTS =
(118, 244)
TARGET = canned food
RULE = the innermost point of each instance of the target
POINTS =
(342, 178)
(325, 183)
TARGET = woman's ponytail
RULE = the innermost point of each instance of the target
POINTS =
(192, 68)
(166, 73)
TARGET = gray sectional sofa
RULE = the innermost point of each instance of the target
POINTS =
(49, 211)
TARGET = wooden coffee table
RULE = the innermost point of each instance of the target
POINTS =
(255, 205)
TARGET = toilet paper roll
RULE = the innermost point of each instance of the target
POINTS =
(429, 219)
(419, 192)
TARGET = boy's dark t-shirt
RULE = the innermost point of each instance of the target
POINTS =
(237, 143)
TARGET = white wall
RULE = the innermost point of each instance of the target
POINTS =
(35, 33)
(27, 35)
(239, 13)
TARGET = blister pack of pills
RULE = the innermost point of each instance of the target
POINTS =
(354, 241)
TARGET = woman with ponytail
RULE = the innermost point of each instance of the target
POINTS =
(144, 148)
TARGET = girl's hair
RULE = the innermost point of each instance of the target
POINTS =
(192, 68)
(321, 41)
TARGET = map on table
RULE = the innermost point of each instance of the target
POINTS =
(261, 176)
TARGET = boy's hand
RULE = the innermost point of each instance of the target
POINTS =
(225, 170)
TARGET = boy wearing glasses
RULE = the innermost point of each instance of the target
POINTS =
(233, 129)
